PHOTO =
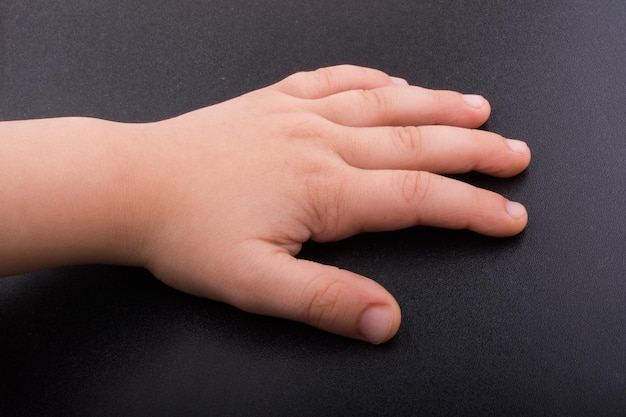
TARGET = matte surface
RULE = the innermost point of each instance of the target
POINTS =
(533, 325)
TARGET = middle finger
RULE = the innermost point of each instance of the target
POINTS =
(438, 149)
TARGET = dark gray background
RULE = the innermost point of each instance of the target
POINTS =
(532, 325)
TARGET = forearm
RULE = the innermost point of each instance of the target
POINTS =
(69, 193)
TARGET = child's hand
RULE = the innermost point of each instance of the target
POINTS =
(238, 187)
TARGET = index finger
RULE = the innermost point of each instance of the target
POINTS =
(383, 200)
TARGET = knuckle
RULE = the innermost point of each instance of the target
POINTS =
(314, 82)
(408, 138)
(324, 78)
(440, 98)
(412, 186)
(376, 98)
(324, 196)
(294, 81)
(323, 309)
(325, 192)
(302, 125)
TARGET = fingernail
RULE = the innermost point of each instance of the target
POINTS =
(474, 100)
(515, 210)
(375, 324)
(517, 145)
(399, 81)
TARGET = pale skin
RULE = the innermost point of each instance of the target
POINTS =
(217, 202)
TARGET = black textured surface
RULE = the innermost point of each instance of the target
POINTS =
(533, 325)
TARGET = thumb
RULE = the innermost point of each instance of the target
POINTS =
(323, 296)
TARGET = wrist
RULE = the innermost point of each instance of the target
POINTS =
(75, 193)
(137, 178)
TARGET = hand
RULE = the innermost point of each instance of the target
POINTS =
(322, 155)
